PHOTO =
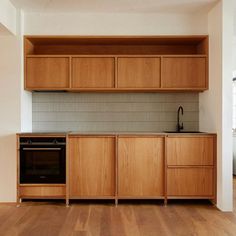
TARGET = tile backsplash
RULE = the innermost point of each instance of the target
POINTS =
(113, 111)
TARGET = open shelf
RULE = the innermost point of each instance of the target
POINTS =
(116, 45)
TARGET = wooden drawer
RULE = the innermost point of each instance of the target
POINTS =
(42, 191)
(190, 181)
(190, 151)
(47, 73)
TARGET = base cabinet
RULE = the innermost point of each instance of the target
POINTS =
(190, 182)
(92, 167)
(42, 191)
(140, 167)
(191, 168)
(134, 167)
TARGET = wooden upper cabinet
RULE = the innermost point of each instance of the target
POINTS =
(190, 151)
(116, 63)
(47, 73)
(141, 166)
(92, 166)
(184, 73)
(93, 72)
(138, 72)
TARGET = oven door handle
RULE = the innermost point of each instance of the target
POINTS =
(41, 149)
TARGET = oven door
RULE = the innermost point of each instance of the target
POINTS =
(44, 164)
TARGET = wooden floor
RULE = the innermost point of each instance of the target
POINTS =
(145, 218)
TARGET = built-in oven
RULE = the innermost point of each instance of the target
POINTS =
(42, 160)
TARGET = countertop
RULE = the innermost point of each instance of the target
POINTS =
(112, 133)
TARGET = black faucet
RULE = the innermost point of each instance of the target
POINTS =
(180, 126)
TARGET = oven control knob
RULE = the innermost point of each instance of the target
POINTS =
(55, 141)
(29, 141)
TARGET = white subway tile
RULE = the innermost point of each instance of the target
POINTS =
(113, 111)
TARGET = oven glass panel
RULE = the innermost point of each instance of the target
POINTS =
(42, 166)
(42, 163)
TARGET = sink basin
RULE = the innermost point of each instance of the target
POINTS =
(183, 132)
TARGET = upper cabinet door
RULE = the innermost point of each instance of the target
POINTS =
(138, 72)
(93, 72)
(184, 73)
(47, 73)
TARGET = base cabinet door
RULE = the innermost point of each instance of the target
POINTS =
(92, 167)
(140, 167)
(190, 182)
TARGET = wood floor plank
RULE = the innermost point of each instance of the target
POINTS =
(129, 220)
(144, 219)
(94, 222)
(147, 221)
(117, 224)
(70, 221)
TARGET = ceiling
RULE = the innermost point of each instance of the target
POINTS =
(114, 6)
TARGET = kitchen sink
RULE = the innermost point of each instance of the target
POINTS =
(183, 132)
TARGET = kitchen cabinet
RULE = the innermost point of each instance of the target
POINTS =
(116, 63)
(93, 72)
(191, 166)
(139, 72)
(192, 150)
(191, 182)
(132, 166)
(140, 167)
(47, 73)
(92, 166)
(42, 191)
(184, 72)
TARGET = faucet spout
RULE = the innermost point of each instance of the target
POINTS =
(180, 126)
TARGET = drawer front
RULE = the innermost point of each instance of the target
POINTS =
(190, 151)
(41, 191)
(190, 182)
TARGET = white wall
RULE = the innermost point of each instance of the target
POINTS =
(234, 53)
(216, 104)
(10, 86)
(114, 24)
(26, 97)
(8, 16)
(15, 106)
